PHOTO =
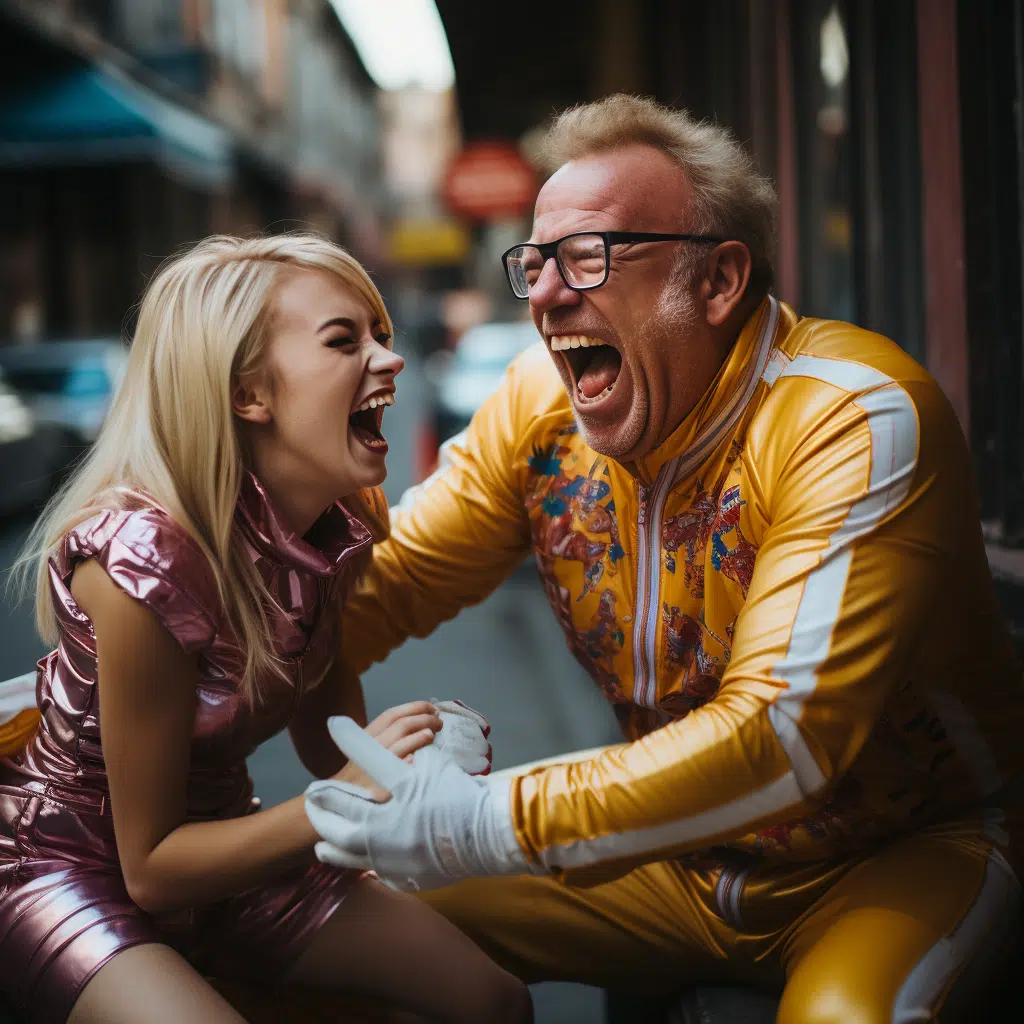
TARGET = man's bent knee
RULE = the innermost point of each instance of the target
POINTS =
(811, 1000)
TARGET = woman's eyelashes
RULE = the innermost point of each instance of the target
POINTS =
(343, 340)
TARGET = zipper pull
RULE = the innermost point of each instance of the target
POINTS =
(643, 492)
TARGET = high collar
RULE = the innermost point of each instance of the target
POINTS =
(337, 535)
(724, 400)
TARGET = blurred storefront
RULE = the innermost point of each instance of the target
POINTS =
(131, 127)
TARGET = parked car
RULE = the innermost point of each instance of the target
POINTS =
(68, 384)
(464, 378)
(30, 454)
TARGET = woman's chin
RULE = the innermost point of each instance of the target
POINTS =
(369, 474)
(365, 468)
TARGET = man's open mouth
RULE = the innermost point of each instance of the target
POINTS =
(593, 363)
(366, 421)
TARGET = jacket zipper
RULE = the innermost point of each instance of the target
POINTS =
(648, 582)
(652, 508)
(728, 893)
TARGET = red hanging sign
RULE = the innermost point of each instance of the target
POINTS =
(490, 181)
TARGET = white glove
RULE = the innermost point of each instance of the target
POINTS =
(440, 825)
(463, 737)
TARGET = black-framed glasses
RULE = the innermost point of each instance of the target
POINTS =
(582, 258)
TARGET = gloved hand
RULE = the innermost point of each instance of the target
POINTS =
(440, 825)
(463, 736)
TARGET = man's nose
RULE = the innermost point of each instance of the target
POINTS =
(549, 291)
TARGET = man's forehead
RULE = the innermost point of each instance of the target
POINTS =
(635, 188)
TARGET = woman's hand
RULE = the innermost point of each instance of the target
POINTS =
(403, 730)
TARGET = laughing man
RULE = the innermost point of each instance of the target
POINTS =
(760, 537)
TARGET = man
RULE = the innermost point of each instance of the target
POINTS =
(759, 535)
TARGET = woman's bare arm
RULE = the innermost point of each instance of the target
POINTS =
(147, 688)
(338, 693)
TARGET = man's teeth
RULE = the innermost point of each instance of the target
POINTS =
(372, 403)
(559, 343)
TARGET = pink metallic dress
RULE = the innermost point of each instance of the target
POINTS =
(64, 910)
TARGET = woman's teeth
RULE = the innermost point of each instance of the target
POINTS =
(373, 403)
(562, 342)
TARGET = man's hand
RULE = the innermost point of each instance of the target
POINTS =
(463, 736)
(440, 825)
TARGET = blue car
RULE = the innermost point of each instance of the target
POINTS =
(54, 397)
(69, 384)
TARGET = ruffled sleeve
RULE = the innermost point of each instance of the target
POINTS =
(154, 560)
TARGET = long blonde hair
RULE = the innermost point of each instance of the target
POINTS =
(171, 434)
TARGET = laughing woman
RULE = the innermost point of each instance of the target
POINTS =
(190, 575)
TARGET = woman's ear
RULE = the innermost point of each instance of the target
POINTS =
(250, 400)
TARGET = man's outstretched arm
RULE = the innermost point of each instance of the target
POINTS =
(453, 539)
(856, 550)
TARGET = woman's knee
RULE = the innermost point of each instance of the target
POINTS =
(501, 999)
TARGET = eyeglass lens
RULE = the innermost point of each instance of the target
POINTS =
(580, 257)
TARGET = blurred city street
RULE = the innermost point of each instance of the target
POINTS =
(416, 135)
(506, 658)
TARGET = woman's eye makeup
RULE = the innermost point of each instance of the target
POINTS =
(346, 339)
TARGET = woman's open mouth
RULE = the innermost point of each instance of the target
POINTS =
(366, 421)
(593, 363)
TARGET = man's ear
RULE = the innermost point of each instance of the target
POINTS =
(726, 275)
(250, 400)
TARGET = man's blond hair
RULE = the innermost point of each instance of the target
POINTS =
(729, 197)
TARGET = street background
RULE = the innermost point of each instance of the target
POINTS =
(407, 130)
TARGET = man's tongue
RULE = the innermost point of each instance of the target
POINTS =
(600, 372)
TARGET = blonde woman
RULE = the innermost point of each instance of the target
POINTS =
(190, 575)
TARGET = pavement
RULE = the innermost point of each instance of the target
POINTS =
(506, 657)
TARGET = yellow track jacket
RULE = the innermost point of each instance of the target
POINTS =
(788, 604)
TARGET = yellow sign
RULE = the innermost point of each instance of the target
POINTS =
(418, 243)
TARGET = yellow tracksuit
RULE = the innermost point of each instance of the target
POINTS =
(789, 606)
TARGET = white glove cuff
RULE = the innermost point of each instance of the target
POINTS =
(499, 847)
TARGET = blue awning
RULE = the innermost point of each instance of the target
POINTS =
(99, 115)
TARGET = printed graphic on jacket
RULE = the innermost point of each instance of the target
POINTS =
(568, 522)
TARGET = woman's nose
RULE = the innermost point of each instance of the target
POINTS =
(385, 360)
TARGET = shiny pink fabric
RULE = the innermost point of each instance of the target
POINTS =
(64, 910)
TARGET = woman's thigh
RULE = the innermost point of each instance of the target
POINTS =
(150, 984)
(391, 945)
